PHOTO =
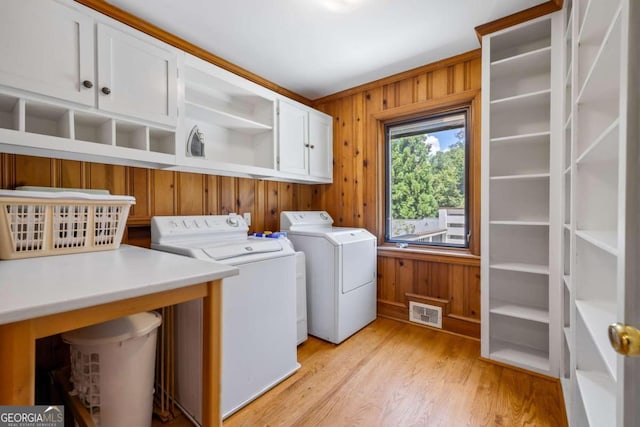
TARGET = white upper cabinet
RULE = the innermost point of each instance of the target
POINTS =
(306, 138)
(55, 53)
(320, 145)
(294, 138)
(47, 48)
(135, 77)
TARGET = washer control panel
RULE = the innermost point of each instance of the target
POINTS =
(290, 220)
(165, 228)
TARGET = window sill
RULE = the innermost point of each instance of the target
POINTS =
(449, 256)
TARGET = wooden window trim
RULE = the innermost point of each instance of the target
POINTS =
(468, 99)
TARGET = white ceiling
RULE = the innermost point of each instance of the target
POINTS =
(319, 47)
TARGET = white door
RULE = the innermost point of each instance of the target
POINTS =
(47, 48)
(136, 77)
(294, 143)
(320, 145)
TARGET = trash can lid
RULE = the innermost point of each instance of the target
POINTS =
(114, 331)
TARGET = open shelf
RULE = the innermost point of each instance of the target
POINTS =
(232, 146)
(520, 159)
(600, 81)
(48, 119)
(595, 19)
(596, 195)
(519, 355)
(10, 112)
(605, 146)
(537, 223)
(521, 267)
(595, 273)
(520, 311)
(523, 200)
(161, 141)
(597, 316)
(599, 397)
(527, 38)
(520, 245)
(605, 240)
(524, 176)
(132, 136)
(93, 128)
(521, 74)
(522, 139)
(520, 115)
(519, 294)
(220, 118)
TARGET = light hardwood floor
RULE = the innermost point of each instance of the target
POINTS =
(397, 374)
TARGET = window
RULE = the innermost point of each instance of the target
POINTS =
(427, 175)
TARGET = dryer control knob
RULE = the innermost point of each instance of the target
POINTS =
(324, 216)
(233, 221)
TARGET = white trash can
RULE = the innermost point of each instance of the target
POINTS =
(112, 369)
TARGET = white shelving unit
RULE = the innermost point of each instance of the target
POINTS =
(521, 209)
(236, 117)
(34, 126)
(600, 215)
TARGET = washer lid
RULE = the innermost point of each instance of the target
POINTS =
(247, 247)
(113, 331)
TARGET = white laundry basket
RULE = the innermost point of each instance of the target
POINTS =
(112, 369)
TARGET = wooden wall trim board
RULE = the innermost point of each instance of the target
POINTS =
(431, 255)
(160, 34)
(443, 63)
(518, 18)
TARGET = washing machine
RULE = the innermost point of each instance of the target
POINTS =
(341, 273)
(258, 309)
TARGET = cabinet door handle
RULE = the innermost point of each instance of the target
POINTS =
(106, 90)
(87, 84)
(306, 145)
(311, 146)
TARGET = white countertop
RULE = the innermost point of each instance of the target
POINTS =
(41, 286)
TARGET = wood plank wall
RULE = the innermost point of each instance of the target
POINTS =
(353, 198)
(160, 192)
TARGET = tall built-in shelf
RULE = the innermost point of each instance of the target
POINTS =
(521, 287)
(601, 210)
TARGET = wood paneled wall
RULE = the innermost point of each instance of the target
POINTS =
(354, 197)
(160, 192)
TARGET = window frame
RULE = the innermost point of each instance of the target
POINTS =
(469, 98)
(465, 110)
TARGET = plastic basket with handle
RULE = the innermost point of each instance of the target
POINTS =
(34, 223)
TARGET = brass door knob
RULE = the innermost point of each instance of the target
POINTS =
(624, 339)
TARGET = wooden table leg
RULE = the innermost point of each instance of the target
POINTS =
(17, 364)
(212, 355)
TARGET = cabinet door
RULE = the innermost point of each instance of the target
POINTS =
(47, 48)
(320, 145)
(293, 139)
(136, 77)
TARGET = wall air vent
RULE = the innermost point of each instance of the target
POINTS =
(425, 314)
